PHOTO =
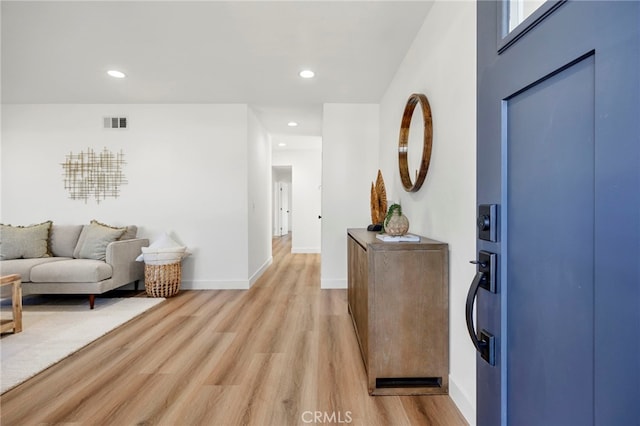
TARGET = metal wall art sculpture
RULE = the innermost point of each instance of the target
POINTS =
(94, 175)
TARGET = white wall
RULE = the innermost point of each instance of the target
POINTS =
(349, 165)
(441, 64)
(259, 198)
(187, 171)
(306, 179)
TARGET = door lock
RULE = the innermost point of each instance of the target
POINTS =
(487, 222)
(484, 222)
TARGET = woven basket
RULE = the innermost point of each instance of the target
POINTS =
(162, 280)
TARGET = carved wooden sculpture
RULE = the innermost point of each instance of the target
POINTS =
(378, 200)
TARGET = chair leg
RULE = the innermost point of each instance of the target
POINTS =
(136, 282)
(92, 300)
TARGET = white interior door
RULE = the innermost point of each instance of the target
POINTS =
(283, 208)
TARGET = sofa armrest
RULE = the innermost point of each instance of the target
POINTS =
(121, 255)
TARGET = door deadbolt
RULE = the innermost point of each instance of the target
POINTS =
(484, 222)
(487, 222)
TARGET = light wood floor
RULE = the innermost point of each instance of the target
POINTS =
(282, 353)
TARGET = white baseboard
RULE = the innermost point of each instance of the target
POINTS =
(338, 284)
(227, 284)
(466, 407)
(260, 271)
(305, 250)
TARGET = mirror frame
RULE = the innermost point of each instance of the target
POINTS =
(403, 142)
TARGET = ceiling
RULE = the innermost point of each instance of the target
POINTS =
(208, 52)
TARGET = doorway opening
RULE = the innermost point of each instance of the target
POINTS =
(282, 200)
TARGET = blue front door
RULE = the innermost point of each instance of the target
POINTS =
(559, 174)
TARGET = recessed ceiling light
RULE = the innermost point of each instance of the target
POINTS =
(282, 144)
(116, 74)
(292, 124)
(307, 74)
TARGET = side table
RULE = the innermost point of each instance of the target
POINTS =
(15, 323)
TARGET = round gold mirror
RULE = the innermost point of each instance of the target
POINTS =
(403, 143)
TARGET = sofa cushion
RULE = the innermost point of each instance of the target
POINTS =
(64, 239)
(23, 267)
(26, 242)
(72, 271)
(94, 239)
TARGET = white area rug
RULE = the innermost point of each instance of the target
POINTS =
(55, 327)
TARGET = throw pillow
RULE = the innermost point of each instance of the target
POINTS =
(27, 242)
(83, 235)
(129, 234)
(163, 256)
(94, 240)
(163, 241)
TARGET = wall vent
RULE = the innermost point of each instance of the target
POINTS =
(115, 122)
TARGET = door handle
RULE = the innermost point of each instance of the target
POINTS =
(487, 265)
(485, 344)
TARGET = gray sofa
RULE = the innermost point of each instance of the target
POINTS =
(79, 259)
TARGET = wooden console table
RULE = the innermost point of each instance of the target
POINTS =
(398, 298)
(15, 323)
